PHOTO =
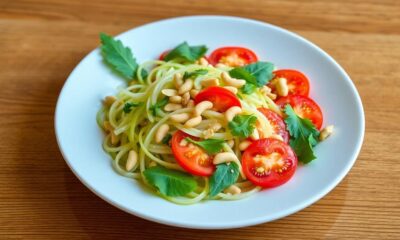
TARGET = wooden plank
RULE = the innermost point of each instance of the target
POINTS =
(43, 40)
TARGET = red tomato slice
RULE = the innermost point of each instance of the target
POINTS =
(192, 158)
(276, 122)
(221, 98)
(163, 54)
(304, 107)
(269, 162)
(233, 56)
(297, 82)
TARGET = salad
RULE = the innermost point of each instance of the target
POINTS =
(195, 127)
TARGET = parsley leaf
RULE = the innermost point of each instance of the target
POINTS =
(304, 135)
(185, 52)
(144, 74)
(242, 125)
(224, 176)
(129, 105)
(119, 57)
(166, 139)
(156, 108)
(256, 75)
(170, 182)
(303, 149)
(195, 73)
(248, 88)
(211, 146)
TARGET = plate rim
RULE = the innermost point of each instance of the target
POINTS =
(245, 222)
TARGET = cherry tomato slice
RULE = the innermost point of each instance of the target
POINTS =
(269, 162)
(233, 56)
(221, 98)
(276, 122)
(304, 107)
(192, 158)
(297, 82)
(163, 54)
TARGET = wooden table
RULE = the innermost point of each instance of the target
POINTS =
(42, 41)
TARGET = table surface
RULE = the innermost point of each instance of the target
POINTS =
(43, 40)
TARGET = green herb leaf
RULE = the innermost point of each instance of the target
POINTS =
(211, 146)
(248, 88)
(185, 52)
(166, 139)
(195, 73)
(303, 148)
(304, 135)
(170, 182)
(256, 75)
(144, 74)
(156, 108)
(224, 176)
(119, 57)
(129, 105)
(242, 125)
(298, 126)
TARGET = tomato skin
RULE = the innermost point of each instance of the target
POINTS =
(297, 82)
(276, 176)
(303, 106)
(163, 54)
(221, 98)
(277, 123)
(190, 164)
(243, 55)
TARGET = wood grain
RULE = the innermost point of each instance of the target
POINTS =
(42, 41)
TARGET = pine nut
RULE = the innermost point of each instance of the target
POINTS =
(175, 99)
(271, 95)
(225, 157)
(232, 81)
(210, 82)
(201, 107)
(243, 145)
(221, 65)
(264, 90)
(232, 189)
(109, 100)
(132, 160)
(281, 87)
(231, 89)
(178, 81)
(172, 107)
(169, 92)
(193, 122)
(232, 112)
(193, 93)
(203, 61)
(180, 117)
(216, 126)
(208, 133)
(190, 104)
(231, 143)
(185, 98)
(326, 132)
(161, 132)
(186, 86)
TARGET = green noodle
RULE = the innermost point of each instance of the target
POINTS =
(135, 130)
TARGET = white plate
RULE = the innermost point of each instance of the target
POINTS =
(80, 139)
